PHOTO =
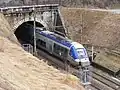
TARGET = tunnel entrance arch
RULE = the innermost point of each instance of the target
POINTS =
(25, 32)
(28, 19)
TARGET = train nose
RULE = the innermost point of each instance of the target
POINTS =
(85, 62)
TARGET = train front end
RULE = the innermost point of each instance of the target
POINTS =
(80, 55)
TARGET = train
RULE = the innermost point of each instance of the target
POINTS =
(62, 47)
(55, 44)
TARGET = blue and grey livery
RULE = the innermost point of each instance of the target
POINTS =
(62, 47)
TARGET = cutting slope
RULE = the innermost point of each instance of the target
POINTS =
(5, 29)
(20, 70)
(107, 32)
(99, 28)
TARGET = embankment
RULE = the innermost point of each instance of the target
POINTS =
(20, 70)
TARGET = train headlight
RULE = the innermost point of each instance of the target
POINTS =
(77, 60)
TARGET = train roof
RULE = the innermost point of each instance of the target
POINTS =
(77, 45)
(60, 39)
(56, 38)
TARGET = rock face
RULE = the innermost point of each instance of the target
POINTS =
(98, 28)
(20, 70)
(90, 3)
(5, 29)
(67, 3)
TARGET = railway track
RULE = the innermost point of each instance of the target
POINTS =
(98, 81)
(105, 81)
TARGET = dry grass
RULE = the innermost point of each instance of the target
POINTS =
(108, 61)
(106, 32)
(1, 45)
(99, 28)
(75, 19)
(5, 29)
(71, 80)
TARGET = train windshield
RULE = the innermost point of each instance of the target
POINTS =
(81, 53)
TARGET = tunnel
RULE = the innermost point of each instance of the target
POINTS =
(25, 32)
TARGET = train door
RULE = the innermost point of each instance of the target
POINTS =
(41, 44)
(49, 46)
(60, 51)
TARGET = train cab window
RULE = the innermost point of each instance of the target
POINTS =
(41, 43)
(81, 53)
(71, 54)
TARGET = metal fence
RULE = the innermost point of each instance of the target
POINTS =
(28, 48)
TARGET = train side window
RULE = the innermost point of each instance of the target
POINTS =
(56, 48)
(60, 50)
(65, 52)
(41, 42)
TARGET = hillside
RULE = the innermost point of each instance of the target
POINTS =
(66, 3)
(5, 29)
(20, 70)
(96, 26)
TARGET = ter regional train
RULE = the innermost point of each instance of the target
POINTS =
(62, 47)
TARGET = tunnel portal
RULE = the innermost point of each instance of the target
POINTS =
(25, 32)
